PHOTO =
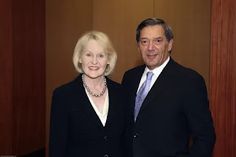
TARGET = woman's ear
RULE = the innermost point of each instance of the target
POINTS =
(80, 61)
(107, 67)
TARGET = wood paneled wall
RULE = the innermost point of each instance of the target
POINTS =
(66, 20)
(22, 57)
(190, 21)
(119, 20)
(22, 63)
(223, 76)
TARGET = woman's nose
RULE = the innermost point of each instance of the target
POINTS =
(94, 60)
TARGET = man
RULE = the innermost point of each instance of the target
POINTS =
(172, 119)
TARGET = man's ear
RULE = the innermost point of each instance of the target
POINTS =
(170, 45)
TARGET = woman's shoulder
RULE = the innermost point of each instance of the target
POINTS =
(69, 87)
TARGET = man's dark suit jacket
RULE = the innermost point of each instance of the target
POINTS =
(175, 109)
(76, 130)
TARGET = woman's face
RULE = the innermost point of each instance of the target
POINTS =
(94, 60)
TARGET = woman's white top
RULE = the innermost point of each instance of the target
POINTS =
(102, 115)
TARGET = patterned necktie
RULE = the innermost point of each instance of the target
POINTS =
(142, 94)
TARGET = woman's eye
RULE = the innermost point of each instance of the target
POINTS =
(88, 54)
(101, 55)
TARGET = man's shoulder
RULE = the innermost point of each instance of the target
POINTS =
(179, 68)
(184, 72)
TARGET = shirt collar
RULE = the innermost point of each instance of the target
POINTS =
(158, 69)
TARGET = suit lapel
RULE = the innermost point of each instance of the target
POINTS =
(112, 110)
(136, 79)
(158, 86)
(111, 107)
(91, 114)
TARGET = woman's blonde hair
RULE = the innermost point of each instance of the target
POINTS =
(104, 41)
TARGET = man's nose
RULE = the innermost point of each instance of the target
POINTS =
(151, 45)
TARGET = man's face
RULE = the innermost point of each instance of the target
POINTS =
(153, 46)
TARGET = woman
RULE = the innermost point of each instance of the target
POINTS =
(88, 113)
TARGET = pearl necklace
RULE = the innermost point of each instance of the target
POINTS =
(89, 90)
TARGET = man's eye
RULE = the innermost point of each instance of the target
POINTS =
(144, 41)
(157, 41)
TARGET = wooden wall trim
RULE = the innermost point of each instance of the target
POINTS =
(22, 76)
(29, 85)
(6, 128)
(223, 76)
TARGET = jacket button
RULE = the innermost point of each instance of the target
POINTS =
(136, 135)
